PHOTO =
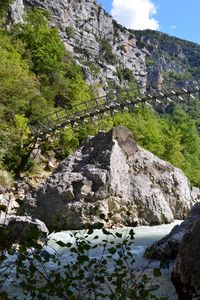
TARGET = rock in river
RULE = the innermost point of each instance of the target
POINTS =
(168, 246)
(186, 272)
(110, 175)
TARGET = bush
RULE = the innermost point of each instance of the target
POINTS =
(125, 74)
(70, 32)
(106, 51)
(4, 6)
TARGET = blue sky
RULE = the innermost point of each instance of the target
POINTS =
(179, 18)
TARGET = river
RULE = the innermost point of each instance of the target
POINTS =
(144, 237)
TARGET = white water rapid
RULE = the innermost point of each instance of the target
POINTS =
(144, 237)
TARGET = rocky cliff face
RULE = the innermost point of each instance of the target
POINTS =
(111, 175)
(168, 58)
(99, 46)
(186, 272)
(109, 53)
(168, 246)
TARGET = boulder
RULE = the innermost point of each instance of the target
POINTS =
(8, 203)
(110, 175)
(168, 246)
(20, 229)
(12, 197)
(186, 271)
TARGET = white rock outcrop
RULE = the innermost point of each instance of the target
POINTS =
(111, 175)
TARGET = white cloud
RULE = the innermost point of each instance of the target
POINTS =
(135, 14)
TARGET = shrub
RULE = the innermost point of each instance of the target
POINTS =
(70, 32)
(106, 51)
(4, 6)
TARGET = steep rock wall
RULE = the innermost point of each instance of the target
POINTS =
(108, 52)
(92, 36)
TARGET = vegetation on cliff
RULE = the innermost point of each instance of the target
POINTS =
(37, 76)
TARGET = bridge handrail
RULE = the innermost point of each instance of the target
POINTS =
(92, 107)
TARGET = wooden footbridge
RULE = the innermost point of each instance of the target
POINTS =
(114, 102)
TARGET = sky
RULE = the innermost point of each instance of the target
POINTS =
(180, 18)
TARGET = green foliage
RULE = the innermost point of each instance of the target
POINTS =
(118, 26)
(18, 90)
(78, 272)
(42, 43)
(125, 74)
(94, 68)
(173, 137)
(106, 52)
(4, 6)
(62, 80)
(62, 145)
(188, 154)
(173, 75)
(36, 75)
(146, 127)
(17, 86)
(69, 31)
(150, 61)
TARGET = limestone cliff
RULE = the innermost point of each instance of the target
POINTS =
(109, 53)
(100, 47)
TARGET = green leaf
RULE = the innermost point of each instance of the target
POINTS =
(106, 232)
(112, 250)
(99, 225)
(90, 231)
(119, 235)
(131, 233)
(145, 278)
(104, 262)
(82, 258)
(32, 268)
(156, 272)
(61, 244)
(119, 262)
(144, 294)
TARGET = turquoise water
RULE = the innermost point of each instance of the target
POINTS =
(144, 237)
